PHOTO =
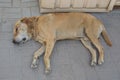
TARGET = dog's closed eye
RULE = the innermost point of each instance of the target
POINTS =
(16, 29)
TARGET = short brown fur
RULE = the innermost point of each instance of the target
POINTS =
(49, 28)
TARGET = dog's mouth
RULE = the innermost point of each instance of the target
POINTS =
(20, 42)
(15, 42)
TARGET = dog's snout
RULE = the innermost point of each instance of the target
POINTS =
(15, 42)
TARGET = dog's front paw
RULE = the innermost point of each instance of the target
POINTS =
(48, 70)
(93, 63)
(34, 64)
(100, 62)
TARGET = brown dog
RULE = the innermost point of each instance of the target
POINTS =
(49, 28)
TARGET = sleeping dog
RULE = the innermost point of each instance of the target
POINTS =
(49, 28)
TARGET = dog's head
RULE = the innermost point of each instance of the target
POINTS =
(21, 31)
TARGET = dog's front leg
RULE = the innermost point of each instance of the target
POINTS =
(49, 48)
(37, 54)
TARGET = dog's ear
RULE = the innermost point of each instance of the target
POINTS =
(27, 21)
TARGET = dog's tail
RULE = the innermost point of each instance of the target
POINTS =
(106, 38)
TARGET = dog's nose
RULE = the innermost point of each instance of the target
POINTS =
(24, 39)
(13, 41)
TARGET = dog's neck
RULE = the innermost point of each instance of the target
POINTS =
(33, 26)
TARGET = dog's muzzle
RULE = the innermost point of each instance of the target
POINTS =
(15, 42)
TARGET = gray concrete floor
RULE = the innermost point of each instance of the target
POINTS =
(69, 61)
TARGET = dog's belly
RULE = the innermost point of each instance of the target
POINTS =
(60, 35)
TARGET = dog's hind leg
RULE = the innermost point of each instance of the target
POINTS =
(97, 44)
(88, 45)
(37, 54)
(49, 48)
